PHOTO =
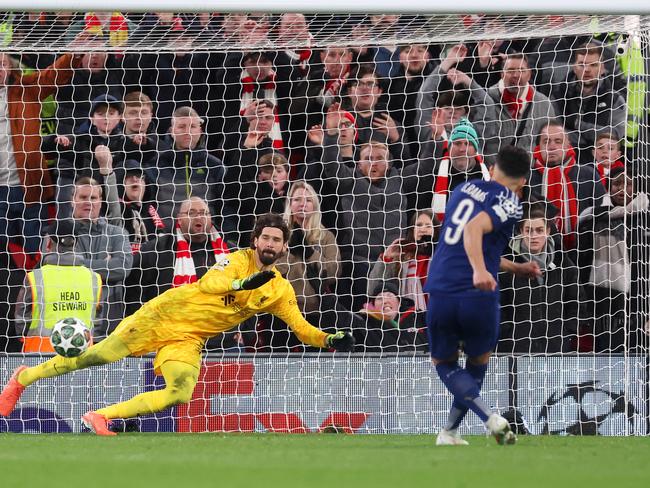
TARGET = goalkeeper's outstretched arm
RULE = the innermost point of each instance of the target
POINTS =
(287, 310)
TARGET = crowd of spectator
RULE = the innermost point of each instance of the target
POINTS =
(163, 159)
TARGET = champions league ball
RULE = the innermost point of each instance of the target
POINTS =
(70, 337)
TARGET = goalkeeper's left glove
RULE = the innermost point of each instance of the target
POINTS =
(341, 341)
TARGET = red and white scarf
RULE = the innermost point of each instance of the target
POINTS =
(249, 89)
(441, 186)
(604, 171)
(414, 274)
(514, 104)
(184, 269)
(333, 87)
(557, 188)
(300, 58)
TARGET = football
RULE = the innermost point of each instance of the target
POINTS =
(70, 337)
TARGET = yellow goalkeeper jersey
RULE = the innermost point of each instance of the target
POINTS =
(209, 306)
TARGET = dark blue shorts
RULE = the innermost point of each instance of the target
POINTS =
(463, 322)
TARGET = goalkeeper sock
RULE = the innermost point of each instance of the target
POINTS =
(109, 350)
(180, 380)
(463, 386)
(458, 410)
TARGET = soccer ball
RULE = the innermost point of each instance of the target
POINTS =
(70, 337)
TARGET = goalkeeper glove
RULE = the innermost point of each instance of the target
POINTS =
(253, 281)
(341, 341)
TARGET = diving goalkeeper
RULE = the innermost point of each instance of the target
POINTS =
(177, 323)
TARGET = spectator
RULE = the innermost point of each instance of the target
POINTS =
(324, 85)
(539, 315)
(187, 169)
(247, 80)
(428, 183)
(607, 155)
(516, 111)
(60, 288)
(587, 102)
(373, 208)
(134, 209)
(415, 65)
(312, 264)
(267, 193)
(568, 186)
(173, 79)
(243, 170)
(614, 264)
(385, 325)
(141, 143)
(447, 76)
(97, 142)
(451, 107)
(340, 124)
(105, 249)
(372, 118)
(24, 180)
(98, 74)
(175, 258)
(405, 262)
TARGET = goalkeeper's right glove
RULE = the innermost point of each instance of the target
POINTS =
(253, 281)
(341, 341)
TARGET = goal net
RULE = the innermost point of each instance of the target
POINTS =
(163, 136)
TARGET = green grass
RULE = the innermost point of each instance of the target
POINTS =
(315, 460)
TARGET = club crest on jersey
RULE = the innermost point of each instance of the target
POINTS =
(221, 261)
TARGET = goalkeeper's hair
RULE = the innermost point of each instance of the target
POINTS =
(270, 220)
(513, 161)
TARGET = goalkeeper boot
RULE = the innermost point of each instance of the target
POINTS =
(500, 429)
(11, 393)
(450, 438)
(97, 423)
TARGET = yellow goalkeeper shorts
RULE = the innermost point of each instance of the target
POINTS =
(142, 335)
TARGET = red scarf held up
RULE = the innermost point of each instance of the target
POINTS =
(514, 104)
(560, 192)
(184, 269)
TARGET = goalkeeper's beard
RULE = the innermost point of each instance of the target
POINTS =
(269, 257)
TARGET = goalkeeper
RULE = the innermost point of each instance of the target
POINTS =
(177, 323)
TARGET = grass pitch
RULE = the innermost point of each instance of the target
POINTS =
(317, 460)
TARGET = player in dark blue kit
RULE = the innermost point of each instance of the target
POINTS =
(463, 309)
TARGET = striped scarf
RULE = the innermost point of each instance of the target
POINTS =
(557, 188)
(441, 186)
(514, 104)
(249, 88)
(184, 269)
(333, 87)
(414, 274)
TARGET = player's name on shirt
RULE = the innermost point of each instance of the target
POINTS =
(475, 192)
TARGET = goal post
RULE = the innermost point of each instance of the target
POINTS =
(358, 115)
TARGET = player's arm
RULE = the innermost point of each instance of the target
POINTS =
(228, 277)
(286, 309)
(473, 233)
(528, 269)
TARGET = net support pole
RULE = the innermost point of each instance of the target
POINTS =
(589, 7)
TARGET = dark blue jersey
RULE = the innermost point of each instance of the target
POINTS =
(450, 270)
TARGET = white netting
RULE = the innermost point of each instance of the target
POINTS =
(243, 110)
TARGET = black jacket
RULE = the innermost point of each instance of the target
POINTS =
(540, 315)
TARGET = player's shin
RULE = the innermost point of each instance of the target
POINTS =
(109, 350)
(464, 388)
